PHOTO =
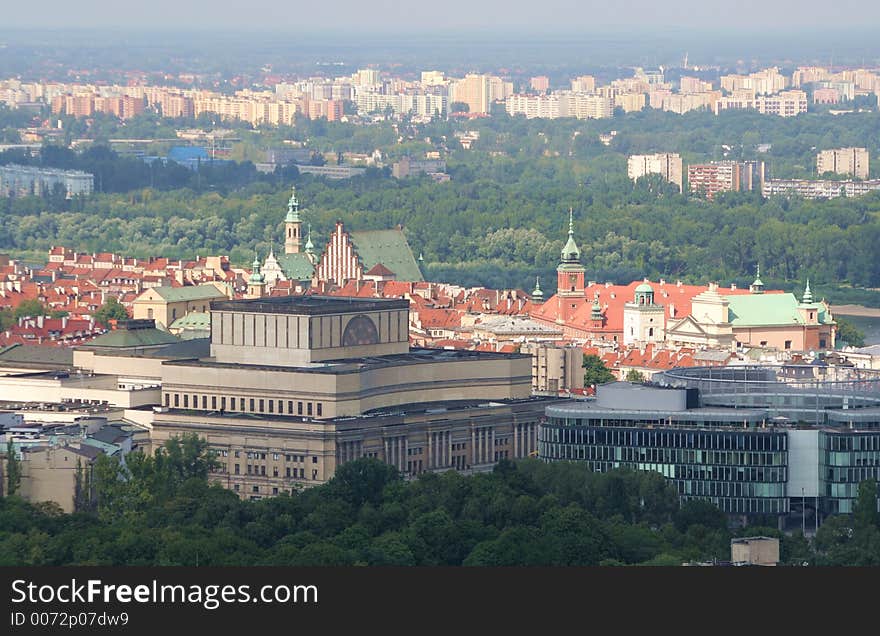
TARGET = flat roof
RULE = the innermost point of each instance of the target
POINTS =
(355, 365)
(589, 408)
(309, 305)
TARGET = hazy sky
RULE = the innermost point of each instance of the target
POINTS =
(538, 16)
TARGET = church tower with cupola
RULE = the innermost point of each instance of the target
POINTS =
(569, 277)
(292, 226)
(643, 320)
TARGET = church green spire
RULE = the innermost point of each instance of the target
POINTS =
(808, 295)
(758, 285)
(256, 277)
(571, 253)
(293, 208)
(309, 245)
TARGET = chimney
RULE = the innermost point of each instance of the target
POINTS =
(732, 286)
(678, 283)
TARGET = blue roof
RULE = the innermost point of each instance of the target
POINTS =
(187, 153)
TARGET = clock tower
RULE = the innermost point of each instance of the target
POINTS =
(569, 277)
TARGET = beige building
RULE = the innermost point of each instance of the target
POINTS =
(48, 473)
(847, 161)
(473, 90)
(754, 551)
(555, 369)
(167, 304)
(667, 165)
(296, 386)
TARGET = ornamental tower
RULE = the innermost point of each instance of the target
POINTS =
(292, 226)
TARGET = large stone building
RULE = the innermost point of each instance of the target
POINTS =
(296, 386)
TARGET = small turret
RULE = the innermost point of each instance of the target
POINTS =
(757, 287)
(292, 226)
(537, 293)
(808, 295)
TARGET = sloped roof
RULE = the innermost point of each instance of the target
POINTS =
(131, 338)
(35, 355)
(390, 248)
(190, 292)
(767, 310)
(296, 266)
(193, 320)
(379, 270)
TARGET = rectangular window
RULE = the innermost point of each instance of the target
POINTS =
(185, 400)
(205, 402)
(262, 407)
(237, 469)
(252, 405)
(288, 471)
(241, 403)
(271, 406)
(314, 459)
(290, 407)
(299, 408)
(275, 471)
(788, 344)
(320, 409)
(274, 491)
(223, 404)
(167, 399)
(250, 469)
(213, 402)
(256, 489)
(309, 408)
(263, 471)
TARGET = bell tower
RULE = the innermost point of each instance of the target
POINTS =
(292, 226)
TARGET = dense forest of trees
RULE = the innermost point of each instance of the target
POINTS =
(501, 220)
(161, 510)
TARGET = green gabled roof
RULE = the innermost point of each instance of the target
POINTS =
(190, 292)
(766, 310)
(296, 266)
(390, 248)
(131, 338)
(193, 320)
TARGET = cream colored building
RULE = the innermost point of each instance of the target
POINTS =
(48, 473)
(667, 165)
(296, 386)
(167, 304)
(847, 161)
(555, 369)
(755, 551)
(473, 90)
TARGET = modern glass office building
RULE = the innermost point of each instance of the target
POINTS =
(754, 440)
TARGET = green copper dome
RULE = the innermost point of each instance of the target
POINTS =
(256, 277)
(644, 288)
(537, 294)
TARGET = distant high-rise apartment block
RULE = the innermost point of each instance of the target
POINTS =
(499, 89)
(365, 77)
(694, 85)
(583, 84)
(784, 104)
(708, 179)
(630, 102)
(766, 82)
(540, 83)
(560, 104)
(667, 165)
(819, 188)
(473, 90)
(849, 161)
(18, 181)
(433, 78)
